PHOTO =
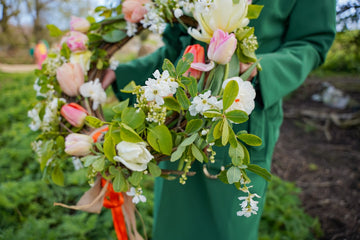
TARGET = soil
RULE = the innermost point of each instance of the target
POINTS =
(323, 158)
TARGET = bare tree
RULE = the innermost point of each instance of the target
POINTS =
(9, 9)
(348, 14)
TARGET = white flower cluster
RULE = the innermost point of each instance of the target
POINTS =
(204, 102)
(153, 19)
(137, 195)
(38, 89)
(203, 5)
(131, 29)
(94, 91)
(248, 205)
(156, 113)
(50, 118)
(52, 63)
(186, 5)
(162, 86)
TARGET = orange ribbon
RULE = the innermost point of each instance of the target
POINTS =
(114, 200)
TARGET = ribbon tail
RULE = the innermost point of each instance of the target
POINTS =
(119, 223)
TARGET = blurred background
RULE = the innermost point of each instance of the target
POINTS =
(315, 193)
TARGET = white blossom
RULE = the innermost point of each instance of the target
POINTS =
(36, 121)
(202, 103)
(77, 163)
(51, 114)
(162, 86)
(248, 205)
(131, 29)
(178, 13)
(137, 195)
(114, 64)
(94, 91)
(245, 100)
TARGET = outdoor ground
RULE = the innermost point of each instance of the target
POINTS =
(323, 158)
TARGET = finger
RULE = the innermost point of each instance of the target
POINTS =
(108, 78)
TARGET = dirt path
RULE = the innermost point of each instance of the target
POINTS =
(17, 68)
(324, 164)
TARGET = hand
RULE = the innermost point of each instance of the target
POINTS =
(244, 67)
(108, 78)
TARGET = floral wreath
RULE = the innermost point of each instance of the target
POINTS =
(179, 114)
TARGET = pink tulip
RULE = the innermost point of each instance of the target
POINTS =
(134, 10)
(199, 57)
(78, 144)
(77, 41)
(79, 24)
(74, 114)
(222, 46)
(70, 77)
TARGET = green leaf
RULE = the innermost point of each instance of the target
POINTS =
(167, 65)
(189, 140)
(60, 142)
(223, 177)
(154, 169)
(182, 98)
(212, 113)
(129, 88)
(114, 36)
(90, 159)
(119, 182)
(54, 31)
(57, 176)
(230, 93)
(136, 178)
(233, 175)
(197, 153)
(132, 117)
(99, 64)
(193, 126)
(172, 104)
(246, 159)
(250, 139)
(184, 64)
(262, 172)
(247, 73)
(218, 130)
(193, 87)
(217, 79)
(177, 154)
(109, 147)
(237, 116)
(234, 66)
(99, 164)
(46, 153)
(128, 134)
(121, 106)
(225, 132)
(93, 122)
(254, 11)
(160, 139)
(236, 154)
(232, 138)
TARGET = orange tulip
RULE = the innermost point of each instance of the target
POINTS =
(199, 57)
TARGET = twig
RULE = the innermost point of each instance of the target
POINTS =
(175, 172)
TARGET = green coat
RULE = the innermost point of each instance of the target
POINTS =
(294, 36)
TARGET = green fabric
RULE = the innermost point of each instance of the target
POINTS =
(294, 36)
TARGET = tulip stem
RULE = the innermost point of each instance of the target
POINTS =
(68, 129)
(226, 75)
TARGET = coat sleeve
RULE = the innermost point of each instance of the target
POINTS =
(140, 69)
(309, 35)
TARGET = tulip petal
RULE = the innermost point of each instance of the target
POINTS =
(203, 67)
